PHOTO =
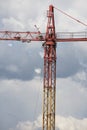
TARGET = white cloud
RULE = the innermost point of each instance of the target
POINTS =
(82, 76)
(24, 126)
(71, 98)
(38, 70)
(27, 125)
(12, 23)
(24, 12)
(71, 123)
(41, 54)
(62, 123)
(22, 100)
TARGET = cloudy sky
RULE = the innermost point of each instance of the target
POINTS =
(21, 67)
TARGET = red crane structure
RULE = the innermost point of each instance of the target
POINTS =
(50, 39)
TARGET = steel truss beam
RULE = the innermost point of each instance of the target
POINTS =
(49, 87)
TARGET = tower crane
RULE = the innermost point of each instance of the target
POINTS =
(50, 39)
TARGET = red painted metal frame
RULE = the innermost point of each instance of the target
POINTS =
(49, 73)
(21, 36)
(36, 36)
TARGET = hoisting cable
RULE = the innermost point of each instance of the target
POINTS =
(70, 16)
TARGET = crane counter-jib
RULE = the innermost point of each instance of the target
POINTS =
(36, 36)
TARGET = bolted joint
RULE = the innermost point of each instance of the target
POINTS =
(50, 43)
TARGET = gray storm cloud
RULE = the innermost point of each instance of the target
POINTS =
(20, 61)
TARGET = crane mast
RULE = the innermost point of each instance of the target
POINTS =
(49, 87)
